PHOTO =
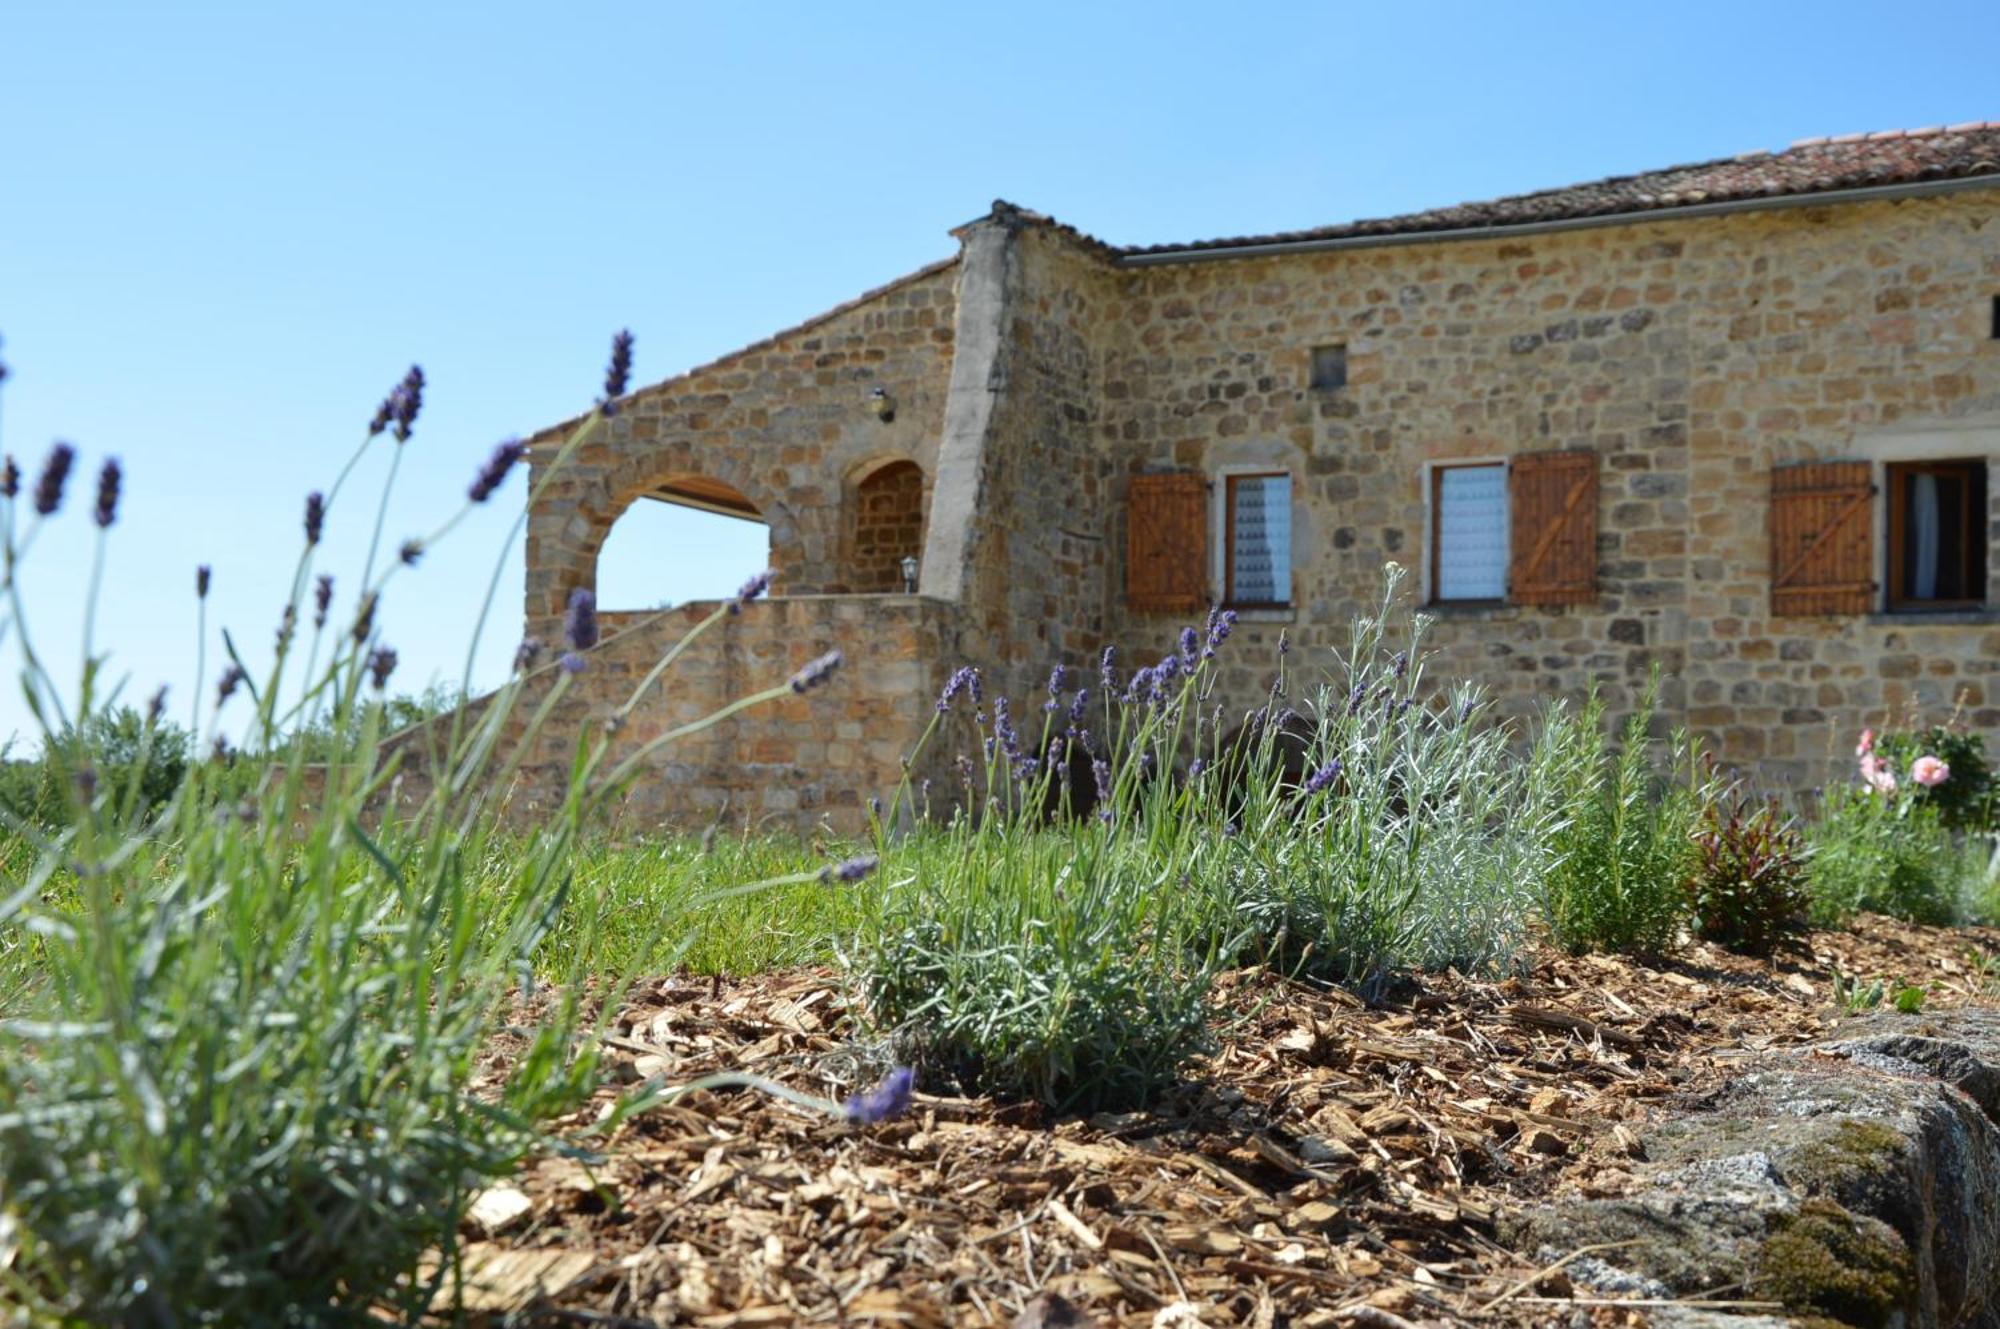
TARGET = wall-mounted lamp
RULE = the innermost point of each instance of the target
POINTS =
(884, 404)
(909, 574)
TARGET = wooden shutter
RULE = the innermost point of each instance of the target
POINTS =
(1822, 538)
(1166, 543)
(1553, 520)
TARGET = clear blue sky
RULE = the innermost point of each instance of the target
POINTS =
(225, 231)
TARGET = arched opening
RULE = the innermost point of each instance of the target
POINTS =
(691, 538)
(887, 526)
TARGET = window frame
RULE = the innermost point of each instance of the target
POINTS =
(1224, 488)
(1433, 491)
(1894, 488)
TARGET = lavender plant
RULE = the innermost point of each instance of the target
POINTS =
(242, 1024)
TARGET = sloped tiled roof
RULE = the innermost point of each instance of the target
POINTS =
(1810, 166)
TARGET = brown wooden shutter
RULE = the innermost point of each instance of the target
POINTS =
(1822, 538)
(1166, 543)
(1553, 519)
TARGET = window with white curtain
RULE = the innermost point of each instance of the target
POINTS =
(1469, 533)
(1937, 534)
(1257, 539)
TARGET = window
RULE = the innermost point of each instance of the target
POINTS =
(1257, 540)
(1937, 534)
(1469, 533)
(1329, 368)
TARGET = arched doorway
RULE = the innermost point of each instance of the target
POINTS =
(887, 526)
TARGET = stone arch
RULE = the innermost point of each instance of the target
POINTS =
(690, 538)
(886, 502)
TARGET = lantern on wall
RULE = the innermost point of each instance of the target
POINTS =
(883, 404)
(909, 574)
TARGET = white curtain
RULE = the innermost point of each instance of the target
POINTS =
(1261, 553)
(1471, 533)
(1924, 522)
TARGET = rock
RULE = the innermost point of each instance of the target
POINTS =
(1858, 1181)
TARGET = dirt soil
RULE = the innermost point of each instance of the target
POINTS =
(1332, 1164)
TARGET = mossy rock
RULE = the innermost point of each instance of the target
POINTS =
(1826, 1260)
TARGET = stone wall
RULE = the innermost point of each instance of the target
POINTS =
(1691, 355)
(888, 526)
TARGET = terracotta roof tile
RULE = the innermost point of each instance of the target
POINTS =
(1810, 166)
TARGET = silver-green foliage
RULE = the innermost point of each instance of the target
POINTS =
(238, 1057)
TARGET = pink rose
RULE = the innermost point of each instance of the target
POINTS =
(1867, 743)
(1929, 772)
(1876, 772)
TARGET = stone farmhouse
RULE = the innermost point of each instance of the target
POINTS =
(1734, 419)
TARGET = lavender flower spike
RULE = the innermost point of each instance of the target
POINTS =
(201, 579)
(816, 672)
(1323, 778)
(315, 516)
(108, 481)
(322, 598)
(226, 685)
(411, 551)
(580, 627)
(889, 1098)
(965, 676)
(494, 472)
(619, 374)
(55, 474)
(381, 664)
(10, 478)
(1107, 670)
(571, 663)
(854, 869)
(752, 589)
(409, 399)
(527, 653)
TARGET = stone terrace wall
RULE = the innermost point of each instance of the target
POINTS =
(1691, 355)
(788, 423)
(787, 764)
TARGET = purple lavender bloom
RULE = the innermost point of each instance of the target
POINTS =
(494, 472)
(381, 663)
(890, 1098)
(854, 869)
(1058, 680)
(527, 653)
(1400, 666)
(1324, 777)
(55, 474)
(409, 399)
(1354, 698)
(1100, 771)
(1078, 707)
(201, 578)
(580, 625)
(322, 599)
(571, 662)
(751, 589)
(619, 373)
(157, 707)
(108, 481)
(1284, 641)
(410, 552)
(315, 516)
(964, 678)
(288, 619)
(816, 672)
(1003, 729)
(1190, 646)
(226, 685)
(1196, 767)
(10, 477)
(1107, 670)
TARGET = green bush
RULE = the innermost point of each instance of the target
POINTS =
(144, 762)
(241, 1030)
(1626, 848)
(1964, 801)
(1413, 840)
(1748, 888)
(1882, 853)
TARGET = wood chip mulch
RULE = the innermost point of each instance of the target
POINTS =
(1331, 1164)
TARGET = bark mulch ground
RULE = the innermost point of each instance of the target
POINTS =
(1331, 1164)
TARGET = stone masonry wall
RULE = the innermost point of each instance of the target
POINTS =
(888, 508)
(788, 423)
(1691, 355)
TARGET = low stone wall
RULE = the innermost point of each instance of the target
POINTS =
(797, 763)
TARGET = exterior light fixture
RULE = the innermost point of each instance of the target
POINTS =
(909, 574)
(884, 404)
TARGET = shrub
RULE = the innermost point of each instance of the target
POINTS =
(1411, 843)
(237, 1068)
(144, 762)
(1964, 797)
(1626, 847)
(1748, 888)
(1882, 853)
